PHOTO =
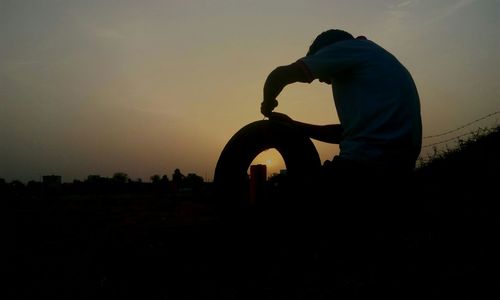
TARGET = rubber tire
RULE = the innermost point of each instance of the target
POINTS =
(298, 151)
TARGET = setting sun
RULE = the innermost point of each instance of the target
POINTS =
(272, 159)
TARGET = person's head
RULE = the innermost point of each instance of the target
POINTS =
(327, 38)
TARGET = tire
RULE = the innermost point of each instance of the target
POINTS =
(298, 151)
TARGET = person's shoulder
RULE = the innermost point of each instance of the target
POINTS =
(336, 47)
(349, 44)
(363, 42)
(364, 45)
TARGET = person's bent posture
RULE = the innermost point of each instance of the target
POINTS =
(376, 99)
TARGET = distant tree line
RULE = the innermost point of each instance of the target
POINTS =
(119, 183)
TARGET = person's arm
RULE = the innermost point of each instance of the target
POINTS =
(278, 79)
(331, 133)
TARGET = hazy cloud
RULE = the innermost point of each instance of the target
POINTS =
(404, 4)
(453, 8)
(435, 11)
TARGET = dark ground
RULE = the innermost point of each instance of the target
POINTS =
(154, 247)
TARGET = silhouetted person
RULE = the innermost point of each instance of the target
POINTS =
(379, 134)
(376, 99)
(380, 130)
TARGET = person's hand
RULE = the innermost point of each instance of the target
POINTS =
(267, 106)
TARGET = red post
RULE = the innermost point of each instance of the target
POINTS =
(258, 177)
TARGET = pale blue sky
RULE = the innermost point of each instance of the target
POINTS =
(144, 87)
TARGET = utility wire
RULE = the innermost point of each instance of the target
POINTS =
(457, 129)
(448, 140)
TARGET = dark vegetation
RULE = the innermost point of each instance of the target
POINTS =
(110, 238)
(467, 176)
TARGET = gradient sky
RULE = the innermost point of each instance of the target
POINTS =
(145, 87)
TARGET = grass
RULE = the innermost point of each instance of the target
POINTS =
(475, 137)
(475, 158)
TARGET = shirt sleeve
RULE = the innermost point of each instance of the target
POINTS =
(332, 60)
(305, 70)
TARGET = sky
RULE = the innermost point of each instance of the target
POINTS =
(146, 87)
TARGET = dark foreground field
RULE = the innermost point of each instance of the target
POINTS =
(153, 247)
(441, 243)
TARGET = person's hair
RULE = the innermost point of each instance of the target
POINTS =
(327, 38)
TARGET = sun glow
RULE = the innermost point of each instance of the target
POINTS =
(272, 159)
